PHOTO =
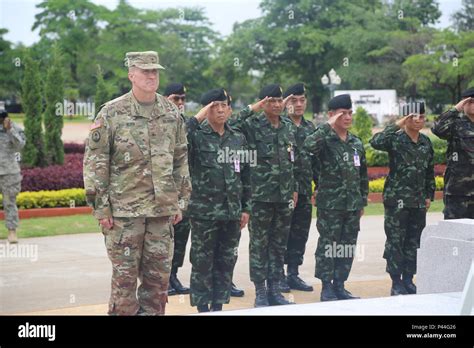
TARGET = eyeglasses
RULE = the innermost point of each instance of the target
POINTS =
(182, 97)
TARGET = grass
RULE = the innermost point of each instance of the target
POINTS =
(19, 118)
(54, 226)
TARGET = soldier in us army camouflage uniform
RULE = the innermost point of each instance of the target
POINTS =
(274, 191)
(301, 219)
(457, 127)
(408, 192)
(220, 202)
(176, 93)
(341, 196)
(135, 172)
(12, 140)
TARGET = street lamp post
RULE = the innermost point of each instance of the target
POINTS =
(331, 82)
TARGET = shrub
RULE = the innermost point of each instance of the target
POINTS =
(50, 199)
(74, 148)
(375, 158)
(377, 184)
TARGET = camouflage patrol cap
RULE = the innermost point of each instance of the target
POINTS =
(143, 60)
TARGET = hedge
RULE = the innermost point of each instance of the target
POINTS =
(50, 199)
(377, 185)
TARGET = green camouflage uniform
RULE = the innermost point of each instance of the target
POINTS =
(409, 183)
(221, 193)
(136, 171)
(11, 143)
(342, 193)
(458, 130)
(301, 219)
(273, 184)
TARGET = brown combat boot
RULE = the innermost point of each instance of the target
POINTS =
(12, 238)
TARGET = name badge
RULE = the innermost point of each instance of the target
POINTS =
(291, 152)
(356, 159)
(237, 166)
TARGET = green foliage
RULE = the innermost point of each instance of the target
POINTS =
(464, 18)
(101, 92)
(375, 158)
(53, 122)
(50, 199)
(362, 125)
(33, 153)
(439, 146)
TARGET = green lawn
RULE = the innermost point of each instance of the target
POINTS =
(53, 226)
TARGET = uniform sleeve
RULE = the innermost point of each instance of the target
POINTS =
(238, 121)
(315, 142)
(443, 125)
(315, 170)
(430, 177)
(17, 137)
(97, 167)
(383, 140)
(180, 165)
(247, 191)
(364, 179)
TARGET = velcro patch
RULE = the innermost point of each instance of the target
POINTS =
(96, 124)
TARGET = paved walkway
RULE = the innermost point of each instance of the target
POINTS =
(72, 274)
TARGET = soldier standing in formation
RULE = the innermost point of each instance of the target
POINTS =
(220, 201)
(341, 196)
(12, 140)
(457, 127)
(274, 191)
(408, 192)
(176, 93)
(301, 219)
(135, 172)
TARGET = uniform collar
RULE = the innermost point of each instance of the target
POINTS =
(135, 106)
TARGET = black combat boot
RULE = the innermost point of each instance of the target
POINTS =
(236, 292)
(261, 296)
(203, 308)
(397, 286)
(275, 298)
(216, 307)
(408, 283)
(176, 284)
(327, 292)
(171, 290)
(341, 293)
(284, 287)
(296, 282)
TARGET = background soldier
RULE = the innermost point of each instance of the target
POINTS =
(457, 127)
(176, 93)
(408, 192)
(301, 220)
(135, 171)
(12, 140)
(341, 196)
(220, 202)
(274, 191)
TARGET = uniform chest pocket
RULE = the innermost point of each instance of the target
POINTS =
(209, 158)
(265, 146)
(130, 146)
(466, 140)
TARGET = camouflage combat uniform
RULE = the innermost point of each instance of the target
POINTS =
(301, 219)
(136, 170)
(409, 183)
(221, 193)
(342, 193)
(11, 143)
(273, 183)
(458, 130)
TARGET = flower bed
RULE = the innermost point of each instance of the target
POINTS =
(50, 199)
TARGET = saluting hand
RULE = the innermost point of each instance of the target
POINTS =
(333, 119)
(202, 114)
(258, 106)
(460, 106)
(401, 122)
(285, 101)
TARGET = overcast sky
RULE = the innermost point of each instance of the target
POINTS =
(18, 15)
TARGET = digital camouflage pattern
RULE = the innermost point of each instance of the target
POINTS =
(342, 185)
(135, 165)
(214, 246)
(458, 130)
(411, 177)
(139, 248)
(10, 187)
(221, 190)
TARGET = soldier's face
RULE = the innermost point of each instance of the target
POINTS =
(146, 80)
(345, 120)
(416, 122)
(273, 107)
(218, 112)
(296, 105)
(179, 100)
(469, 107)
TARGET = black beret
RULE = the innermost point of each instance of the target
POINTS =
(413, 108)
(3, 114)
(274, 90)
(297, 89)
(174, 88)
(217, 94)
(468, 93)
(342, 101)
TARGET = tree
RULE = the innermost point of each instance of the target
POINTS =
(33, 152)
(101, 92)
(362, 126)
(464, 18)
(10, 67)
(53, 121)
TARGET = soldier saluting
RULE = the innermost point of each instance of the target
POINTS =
(457, 127)
(135, 172)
